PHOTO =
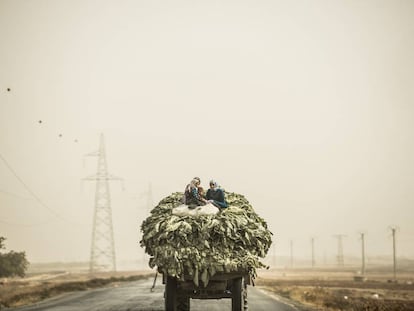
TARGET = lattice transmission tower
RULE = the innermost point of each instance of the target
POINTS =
(340, 256)
(103, 247)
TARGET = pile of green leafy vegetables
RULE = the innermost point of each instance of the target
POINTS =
(201, 246)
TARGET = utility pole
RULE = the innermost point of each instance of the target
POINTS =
(340, 256)
(102, 256)
(313, 251)
(363, 253)
(393, 230)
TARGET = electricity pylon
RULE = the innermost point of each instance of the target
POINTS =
(103, 248)
(340, 256)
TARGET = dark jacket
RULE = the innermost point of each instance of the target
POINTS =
(217, 195)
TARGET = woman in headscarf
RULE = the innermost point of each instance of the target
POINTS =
(193, 194)
(215, 195)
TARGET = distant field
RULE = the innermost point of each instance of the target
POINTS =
(328, 289)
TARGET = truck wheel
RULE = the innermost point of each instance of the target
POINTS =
(183, 304)
(238, 296)
(171, 294)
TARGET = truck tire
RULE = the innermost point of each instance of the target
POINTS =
(246, 306)
(183, 304)
(171, 294)
(238, 295)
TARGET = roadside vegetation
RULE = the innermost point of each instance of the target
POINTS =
(12, 263)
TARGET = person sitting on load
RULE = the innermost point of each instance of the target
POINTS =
(193, 194)
(215, 195)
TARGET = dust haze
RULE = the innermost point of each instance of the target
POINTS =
(306, 108)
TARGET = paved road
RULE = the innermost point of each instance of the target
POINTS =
(136, 296)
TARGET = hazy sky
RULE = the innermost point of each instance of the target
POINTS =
(305, 107)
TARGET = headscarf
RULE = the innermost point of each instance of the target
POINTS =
(193, 184)
(214, 183)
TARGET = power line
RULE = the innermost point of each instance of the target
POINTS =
(14, 195)
(38, 200)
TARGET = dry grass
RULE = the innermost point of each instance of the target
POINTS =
(332, 291)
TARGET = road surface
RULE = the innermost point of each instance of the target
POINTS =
(136, 296)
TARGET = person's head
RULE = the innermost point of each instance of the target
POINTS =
(213, 184)
(196, 181)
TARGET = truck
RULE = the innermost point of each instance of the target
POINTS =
(205, 256)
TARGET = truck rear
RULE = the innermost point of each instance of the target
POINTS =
(223, 285)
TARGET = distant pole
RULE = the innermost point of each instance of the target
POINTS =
(393, 230)
(363, 253)
(340, 256)
(291, 253)
(313, 252)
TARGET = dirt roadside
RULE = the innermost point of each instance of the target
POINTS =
(330, 291)
(22, 291)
